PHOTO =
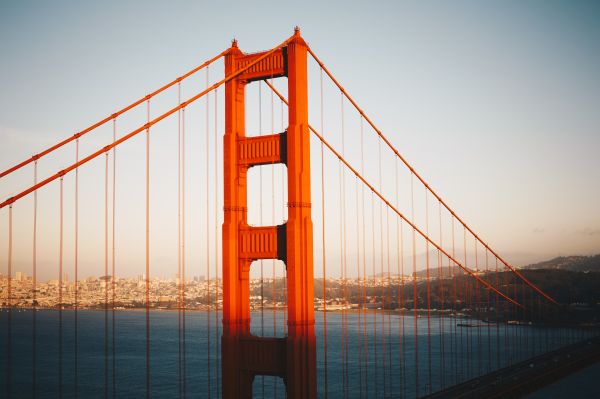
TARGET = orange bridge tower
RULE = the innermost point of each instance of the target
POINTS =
(244, 355)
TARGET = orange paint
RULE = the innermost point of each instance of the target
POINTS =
(244, 355)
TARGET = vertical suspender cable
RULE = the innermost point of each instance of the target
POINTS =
(400, 284)
(360, 303)
(60, 289)
(517, 329)
(217, 212)
(454, 307)
(182, 277)
(9, 302)
(364, 259)
(488, 313)
(76, 261)
(496, 305)
(208, 264)
(440, 280)
(341, 237)
(467, 304)
(262, 295)
(179, 373)
(374, 284)
(388, 311)
(359, 233)
(382, 292)
(344, 252)
(414, 270)
(283, 205)
(477, 308)
(428, 283)
(106, 386)
(323, 258)
(148, 252)
(273, 291)
(508, 335)
(34, 283)
(113, 282)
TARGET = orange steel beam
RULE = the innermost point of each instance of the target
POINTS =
(261, 243)
(111, 117)
(409, 166)
(136, 131)
(262, 150)
(400, 214)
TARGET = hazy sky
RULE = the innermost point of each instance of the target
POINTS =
(497, 104)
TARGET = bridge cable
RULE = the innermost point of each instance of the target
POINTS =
(112, 116)
(400, 285)
(415, 297)
(179, 220)
(364, 260)
(487, 313)
(374, 284)
(106, 383)
(147, 250)
(401, 215)
(425, 236)
(60, 289)
(440, 282)
(454, 305)
(183, 260)
(343, 238)
(382, 291)
(273, 287)
(208, 264)
(323, 257)
(34, 284)
(9, 303)
(283, 212)
(409, 166)
(361, 303)
(261, 261)
(468, 305)
(428, 287)
(477, 308)
(114, 197)
(389, 301)
(140, 129)
(497, 306)
(216, 244)
(76, 265)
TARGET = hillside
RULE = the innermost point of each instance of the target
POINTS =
(570, 263)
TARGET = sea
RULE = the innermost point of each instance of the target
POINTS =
(373, 354)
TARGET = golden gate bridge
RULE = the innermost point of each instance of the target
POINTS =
(419, 300)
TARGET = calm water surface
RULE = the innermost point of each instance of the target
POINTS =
(380, 361)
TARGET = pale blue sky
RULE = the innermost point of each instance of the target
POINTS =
(495, 103)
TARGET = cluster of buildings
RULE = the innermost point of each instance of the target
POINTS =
(164, 293)
(98, 292)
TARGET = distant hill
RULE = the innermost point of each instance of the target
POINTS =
(571, 263)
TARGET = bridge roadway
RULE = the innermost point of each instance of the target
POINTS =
(527, 376)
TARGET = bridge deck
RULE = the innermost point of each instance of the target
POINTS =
(527, 376)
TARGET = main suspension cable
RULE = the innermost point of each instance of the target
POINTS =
(409, 166)
(112, 116)
(140, 129)
(400, 214)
